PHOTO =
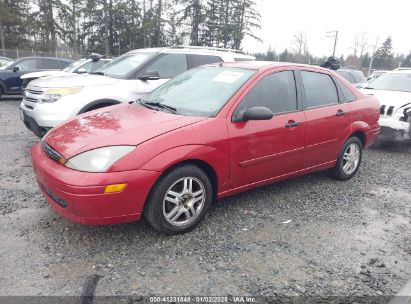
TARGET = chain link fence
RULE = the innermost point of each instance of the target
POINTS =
(17, 53)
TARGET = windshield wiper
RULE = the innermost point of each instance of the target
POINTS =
(369, 88)
(98, 73)
(159, 105)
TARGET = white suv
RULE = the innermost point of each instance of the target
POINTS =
(52, 100)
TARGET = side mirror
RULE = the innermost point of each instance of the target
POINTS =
(154, 75)
(255, 113)
(16, 69)
(81, 71)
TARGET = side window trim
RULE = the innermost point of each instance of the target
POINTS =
(337, 89)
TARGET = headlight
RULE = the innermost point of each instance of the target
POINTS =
(54, 94)
(98, 160)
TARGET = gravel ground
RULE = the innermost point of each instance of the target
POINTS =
(310, 236)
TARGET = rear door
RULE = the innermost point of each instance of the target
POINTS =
(327, 119)
(265, 149)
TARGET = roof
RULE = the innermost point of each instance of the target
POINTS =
(195, 50)
(43, 57)
(258, 65)
(405, 71)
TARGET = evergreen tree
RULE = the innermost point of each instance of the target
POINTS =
(384, 58)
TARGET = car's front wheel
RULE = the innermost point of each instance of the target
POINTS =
(179, 201)
(349, 159)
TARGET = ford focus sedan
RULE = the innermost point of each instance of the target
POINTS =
(211, 132)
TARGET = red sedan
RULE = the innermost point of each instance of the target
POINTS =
(211, 132)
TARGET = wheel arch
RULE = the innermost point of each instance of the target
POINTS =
(203, 165)
(103, 102)
(361, 136)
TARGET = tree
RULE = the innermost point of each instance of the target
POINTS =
(407, 61)
(384, 58)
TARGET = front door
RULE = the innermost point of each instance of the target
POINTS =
(265, 149)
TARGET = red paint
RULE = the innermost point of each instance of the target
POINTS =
(242, 155)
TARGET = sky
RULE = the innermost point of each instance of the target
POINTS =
(282, 19)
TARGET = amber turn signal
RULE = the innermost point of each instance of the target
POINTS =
(114, 188)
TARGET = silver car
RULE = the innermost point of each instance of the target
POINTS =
(49, 101)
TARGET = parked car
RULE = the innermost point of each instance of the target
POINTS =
(4, 60)
(393, 90)
(10, 73)
(355, 77)
(211, 132)
(376, 74)
(81, 66)
(48, 102)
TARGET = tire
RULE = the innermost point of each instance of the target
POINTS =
(351, 152)
(172, 208)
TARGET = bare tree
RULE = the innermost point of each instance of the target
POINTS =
(363, 43)
(355, 44)
(300, 44)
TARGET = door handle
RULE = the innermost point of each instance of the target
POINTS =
(340, 113)
(292, 124)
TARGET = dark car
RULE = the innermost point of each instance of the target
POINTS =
(10, 82)
(355, 77)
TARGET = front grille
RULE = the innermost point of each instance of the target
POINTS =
(34, 91)
(32, 94)
(386, 111)
(31, 99)
(50, 152)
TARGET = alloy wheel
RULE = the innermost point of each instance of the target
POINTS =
(184, 201)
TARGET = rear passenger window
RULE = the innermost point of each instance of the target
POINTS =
(320, 89)
(46, 64)
(276, 92)
(197, 60)
(347, 95)
(345, 75)
(358, 77)
(169, 66)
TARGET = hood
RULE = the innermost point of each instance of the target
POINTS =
(43, 74)
(73, 80)
(397, 99)
(125, 124)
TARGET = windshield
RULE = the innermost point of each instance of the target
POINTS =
(392, 82)
(123, 65)
(71, 67)
(7, 65)
(201, 91)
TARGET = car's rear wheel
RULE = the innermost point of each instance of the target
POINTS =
(349, 159)
(179, 201)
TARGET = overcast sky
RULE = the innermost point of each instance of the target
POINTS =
(281, 19)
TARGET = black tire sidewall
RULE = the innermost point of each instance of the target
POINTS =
(339, 168)
(153, 210)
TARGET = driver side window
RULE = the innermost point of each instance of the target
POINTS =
(169, 66)
(276, 92)
(27, 65)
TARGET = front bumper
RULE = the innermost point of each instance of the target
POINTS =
(79, 196)
(394, 127)
(32, 125)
